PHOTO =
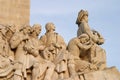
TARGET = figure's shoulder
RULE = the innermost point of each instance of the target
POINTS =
(58, 35)
(43, 37)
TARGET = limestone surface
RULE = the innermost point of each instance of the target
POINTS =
(25, 56)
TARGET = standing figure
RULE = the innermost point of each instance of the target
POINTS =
(40, 65)
(27, 56)
(6, 56)
(55, 46)
(17, 43)
(53, 40)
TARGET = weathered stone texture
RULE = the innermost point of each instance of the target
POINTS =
(108, 74)
(14, 12)
(25, 56)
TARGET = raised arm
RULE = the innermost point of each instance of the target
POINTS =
(87, 30)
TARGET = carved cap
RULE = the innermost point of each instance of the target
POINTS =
(80, 16)
(50, 26)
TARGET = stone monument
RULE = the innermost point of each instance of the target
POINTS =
(25, 56)
(15, 12)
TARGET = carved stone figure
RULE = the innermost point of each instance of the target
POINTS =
(54, 46)
(40, 65)
(83, 27)
(27, 54)
(61, 62)
(23, 56)
(77, 43)
(79, 48)
(18, 42)
(95, 37)
(10, 31)
(97, 54)
(6, 56)
(52, 40)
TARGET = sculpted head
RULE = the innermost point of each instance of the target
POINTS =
(82, 15)
(37, 29)
(50, 27)
(10, 30)
(84, 38)
(26, 29)
(98, 36)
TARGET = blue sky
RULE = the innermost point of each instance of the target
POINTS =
(104, 16)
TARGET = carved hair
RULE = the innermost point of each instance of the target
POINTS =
(50, 26)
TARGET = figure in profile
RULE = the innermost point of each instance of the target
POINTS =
(88, 55)
(55, 48)
(53, 41)
(83, 27)
(96, 54)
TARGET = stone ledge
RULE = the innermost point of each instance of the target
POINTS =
(107, 74)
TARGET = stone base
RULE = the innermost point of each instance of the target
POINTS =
(107, 74)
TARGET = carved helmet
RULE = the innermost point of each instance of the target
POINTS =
(80, 15)
(50, 26)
